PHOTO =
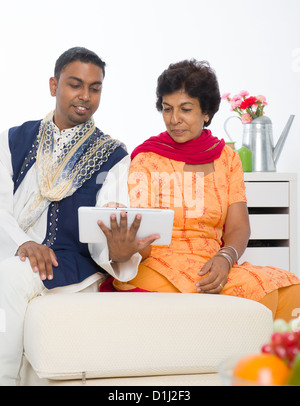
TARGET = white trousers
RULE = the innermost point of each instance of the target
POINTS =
(18, 285)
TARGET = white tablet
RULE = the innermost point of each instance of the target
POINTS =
(154, 221)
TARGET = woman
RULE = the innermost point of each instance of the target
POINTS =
(192, 172)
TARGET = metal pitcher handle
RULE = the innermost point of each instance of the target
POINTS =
(225, 126)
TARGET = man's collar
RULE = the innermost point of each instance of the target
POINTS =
(50, 116)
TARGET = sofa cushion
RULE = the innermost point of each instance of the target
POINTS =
(70, 336)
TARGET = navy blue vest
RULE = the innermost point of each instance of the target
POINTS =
(73, 257)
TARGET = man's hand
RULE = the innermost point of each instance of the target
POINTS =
(41, 258)
(121, 240)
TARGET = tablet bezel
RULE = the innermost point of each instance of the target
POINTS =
(154, 221)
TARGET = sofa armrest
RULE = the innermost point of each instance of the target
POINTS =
(140, 334)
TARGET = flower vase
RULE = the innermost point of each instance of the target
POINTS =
(258, 138)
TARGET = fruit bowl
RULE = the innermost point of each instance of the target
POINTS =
(278, 362)
(226, 371)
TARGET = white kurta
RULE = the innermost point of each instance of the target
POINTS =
(18, 283)
(12, 236)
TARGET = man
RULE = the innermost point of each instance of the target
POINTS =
(48, 169)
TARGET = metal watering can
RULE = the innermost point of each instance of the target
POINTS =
(258, 137)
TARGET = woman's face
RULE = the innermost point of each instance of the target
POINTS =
(183, 116)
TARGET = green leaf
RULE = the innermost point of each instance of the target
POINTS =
(295, 374)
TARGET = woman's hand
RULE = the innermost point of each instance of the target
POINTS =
(213, 275)
(122, 241)
(237, 231)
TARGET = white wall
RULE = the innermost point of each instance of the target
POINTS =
(252, 45)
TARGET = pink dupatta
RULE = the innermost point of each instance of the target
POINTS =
(203, 149)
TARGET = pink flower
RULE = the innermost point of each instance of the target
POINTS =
(235, 103)
(262, 99)
(225, 96)
(244, 93)
(248, 108)
(246, 118)
(236, 97)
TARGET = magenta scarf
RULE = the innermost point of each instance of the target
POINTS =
(201, 150)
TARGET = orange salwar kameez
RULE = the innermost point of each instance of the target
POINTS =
(156, 181)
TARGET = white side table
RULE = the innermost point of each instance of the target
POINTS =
(272, 205)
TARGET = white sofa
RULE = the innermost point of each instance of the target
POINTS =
(124, 339)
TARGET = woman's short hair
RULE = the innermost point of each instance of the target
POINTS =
(77, 54)
(197, 79)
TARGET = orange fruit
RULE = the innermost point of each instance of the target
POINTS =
(263, 369)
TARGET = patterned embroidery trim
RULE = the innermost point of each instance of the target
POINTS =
(53, 224)
(28, 161)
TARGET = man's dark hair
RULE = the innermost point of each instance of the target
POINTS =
(77, 54)
(197, 79)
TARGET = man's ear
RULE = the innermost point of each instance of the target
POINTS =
(53, 86)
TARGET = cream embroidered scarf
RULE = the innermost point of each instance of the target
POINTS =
(82, 156)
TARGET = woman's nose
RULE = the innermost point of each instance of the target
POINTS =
(175, 118)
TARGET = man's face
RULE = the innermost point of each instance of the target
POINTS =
(77, 92)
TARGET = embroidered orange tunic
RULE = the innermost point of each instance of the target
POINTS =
(200, 205)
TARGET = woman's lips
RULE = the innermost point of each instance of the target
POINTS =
(177, 132)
